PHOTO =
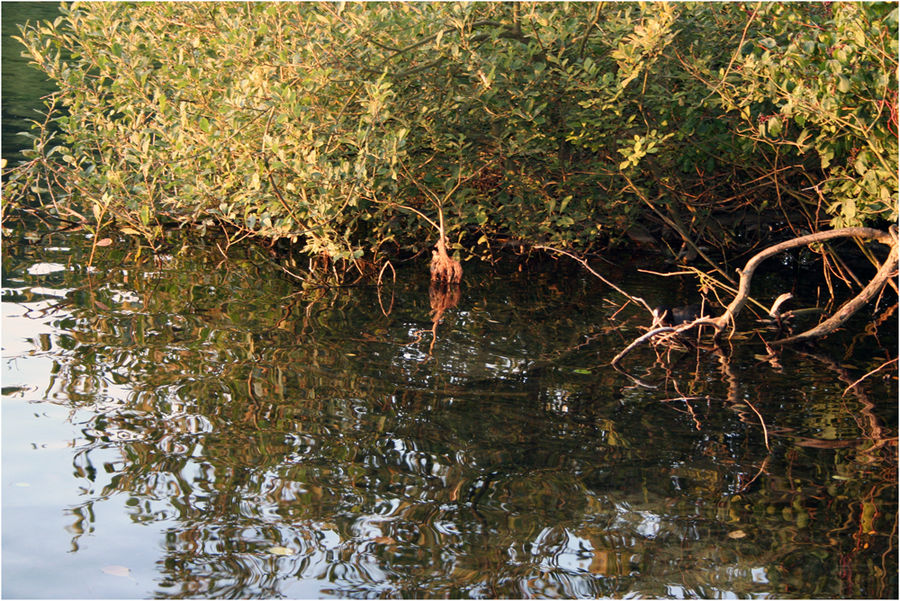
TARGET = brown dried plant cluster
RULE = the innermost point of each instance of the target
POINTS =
(444, 269)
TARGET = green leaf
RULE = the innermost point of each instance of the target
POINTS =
(843, 84)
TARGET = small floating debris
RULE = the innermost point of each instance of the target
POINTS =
(120, 571)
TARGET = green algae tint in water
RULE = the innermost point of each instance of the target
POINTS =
(195, 427)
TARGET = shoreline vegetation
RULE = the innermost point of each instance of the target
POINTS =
(353, 134)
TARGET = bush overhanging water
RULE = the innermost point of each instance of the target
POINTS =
(354, 129)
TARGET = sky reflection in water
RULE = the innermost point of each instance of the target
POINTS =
(199, 429)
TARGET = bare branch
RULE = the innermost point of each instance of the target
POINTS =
(826, 327)
(887, 270)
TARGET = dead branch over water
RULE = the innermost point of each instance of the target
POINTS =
(887, 269)
(884, 276)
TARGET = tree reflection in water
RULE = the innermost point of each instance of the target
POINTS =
(297, 445)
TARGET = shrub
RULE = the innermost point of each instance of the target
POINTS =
(343, 128)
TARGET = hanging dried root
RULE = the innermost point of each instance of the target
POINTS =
(444, 269)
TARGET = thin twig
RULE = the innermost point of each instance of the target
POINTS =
(378, 287)
(700, 321)
(584, 263)
(380, 273)
(762, 423)
(879, 368)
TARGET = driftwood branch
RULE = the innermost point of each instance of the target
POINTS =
(639, 342)
(844, 313)
(700, 321)
(887, 270)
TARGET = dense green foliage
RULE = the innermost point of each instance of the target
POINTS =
(346, 128)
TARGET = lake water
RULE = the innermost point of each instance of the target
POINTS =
(191, 425)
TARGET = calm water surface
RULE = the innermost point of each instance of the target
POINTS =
(187, 426)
